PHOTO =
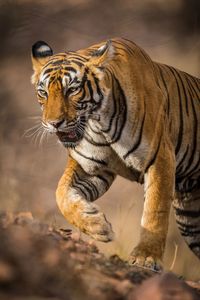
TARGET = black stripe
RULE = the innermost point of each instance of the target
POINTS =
(194, 142)
(96, 80)
(77, 57)
(77, 187)
(189, 233)
(186, 175)
(81, 184)
(139, 138)
(179, 167)
(184, 91)
(144, 55)
(70, 69)
(107, 183)
(186, 225)
(195, 137)
(94, 189)
(51, 79)
(152, 160)
(187, 213)
(122, 49)
(195, 169)
(92, 129)
(59, 80)
(89, 85)
(67, 75)
(116, 119)
(194, 84)
(89, 140)
(114, 110)
(165, 86)
(58, 62)
(194, 245)
(102, 162)
(126, 47)
(52, 62)
(59, 55)
(122, 113)
(83, 94)
(49, 70)
(180, 133)
(89, 186)
(191, 88)
(76, 62)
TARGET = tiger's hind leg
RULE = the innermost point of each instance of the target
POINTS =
(187, 211)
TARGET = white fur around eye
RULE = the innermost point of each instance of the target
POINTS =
(65, 81)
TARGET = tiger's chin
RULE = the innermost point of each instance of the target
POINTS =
(69, 139)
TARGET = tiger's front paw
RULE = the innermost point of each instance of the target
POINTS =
(145, 258)
(89, 219)
(95, 224)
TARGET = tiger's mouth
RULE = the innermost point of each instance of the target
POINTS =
(69, 138)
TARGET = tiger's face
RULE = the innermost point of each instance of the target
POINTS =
(70, 89)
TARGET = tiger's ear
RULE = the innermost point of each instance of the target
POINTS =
(103, 54)
(41, 53)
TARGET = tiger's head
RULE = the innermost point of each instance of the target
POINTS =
(70, 88)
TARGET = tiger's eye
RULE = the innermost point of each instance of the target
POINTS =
(72, 89)
(42, 93)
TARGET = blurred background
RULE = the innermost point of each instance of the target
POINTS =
(168, 30)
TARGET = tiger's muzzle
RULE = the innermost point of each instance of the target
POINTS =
(69, 133)
(70, 138)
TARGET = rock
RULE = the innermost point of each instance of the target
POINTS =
(163, 287)
(38, 261)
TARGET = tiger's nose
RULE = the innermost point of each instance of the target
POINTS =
(56, 123)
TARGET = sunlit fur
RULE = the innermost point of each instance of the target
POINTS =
(132, 117)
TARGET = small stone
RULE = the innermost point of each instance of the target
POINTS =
(161, 287)
(6, 272)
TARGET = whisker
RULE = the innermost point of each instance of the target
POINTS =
(41, 138)
(31, 134)
(37, 136)
(34, 118)
(31, 129)
(34, 133)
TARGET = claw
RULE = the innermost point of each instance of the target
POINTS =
(148, 262)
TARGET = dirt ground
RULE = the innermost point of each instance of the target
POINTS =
(39, 262)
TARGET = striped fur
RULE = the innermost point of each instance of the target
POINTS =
(120, 113)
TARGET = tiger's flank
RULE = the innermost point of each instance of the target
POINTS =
(119, 113)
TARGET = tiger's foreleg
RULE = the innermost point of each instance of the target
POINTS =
(159, 192)
(76, 190)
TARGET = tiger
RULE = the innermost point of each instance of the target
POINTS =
(117, 112)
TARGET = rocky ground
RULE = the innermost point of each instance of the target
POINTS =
(39, 262)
